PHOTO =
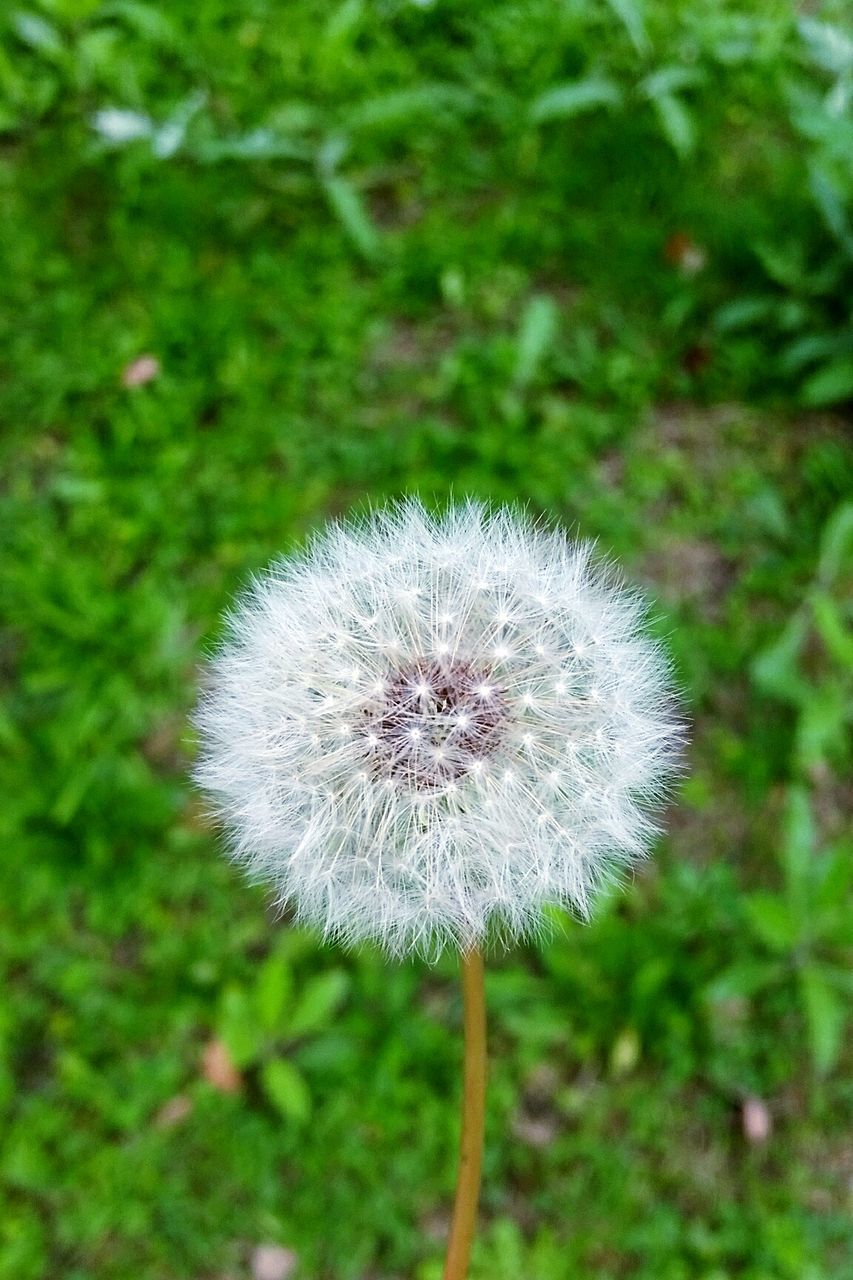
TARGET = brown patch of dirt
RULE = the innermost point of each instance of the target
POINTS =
(692, 570)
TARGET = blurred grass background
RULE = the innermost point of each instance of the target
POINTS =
(262, 261)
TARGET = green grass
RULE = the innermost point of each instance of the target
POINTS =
(398, 248)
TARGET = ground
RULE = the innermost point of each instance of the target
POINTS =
(594, 258)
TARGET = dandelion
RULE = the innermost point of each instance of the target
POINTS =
(426, 726)
(425, 729)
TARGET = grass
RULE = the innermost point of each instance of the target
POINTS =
(592, 257)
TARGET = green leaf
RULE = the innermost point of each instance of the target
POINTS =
(775, 669)
(740, 980)
(38, 33)
(822, 725)
(743, 313)
(831, 384)
(239, 1026)
(830, 46)
(318, 1002)
(273, 989)
(812, 349)
(784, 263)
(631, 13)
(825, 1016)
(566, 100)
(667, 81)
(286, 1089)
(798, 841)
(344, 22)
(148, 21)
(391, 109)
(536, 334)
(771, 920)
(830, 199)
(350, 209)
(831, 896)
(676, 122)
(836, 875)
(836, 544)
(258, 144)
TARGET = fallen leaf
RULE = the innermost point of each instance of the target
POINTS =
(435, 1225)
(162, 745)
(756, 1121)
(625, 1052)
(696, 358)
(173, 1111)
(272, 1262)
(535, 1130)
(218, 1068)
(682, 251)
(141, 370)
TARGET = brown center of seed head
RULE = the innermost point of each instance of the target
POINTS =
(435, 721)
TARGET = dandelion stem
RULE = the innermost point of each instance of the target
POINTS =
(473, 1117)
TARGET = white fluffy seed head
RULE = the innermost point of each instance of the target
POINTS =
(426, 727)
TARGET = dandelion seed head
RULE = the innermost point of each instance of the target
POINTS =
(424, 726)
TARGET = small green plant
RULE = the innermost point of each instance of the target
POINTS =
(265, 1024)
(805, 924)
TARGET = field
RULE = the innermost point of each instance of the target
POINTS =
(263, 263)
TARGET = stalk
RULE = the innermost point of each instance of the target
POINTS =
(473, 1117)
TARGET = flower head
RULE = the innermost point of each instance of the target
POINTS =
(425, 725)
